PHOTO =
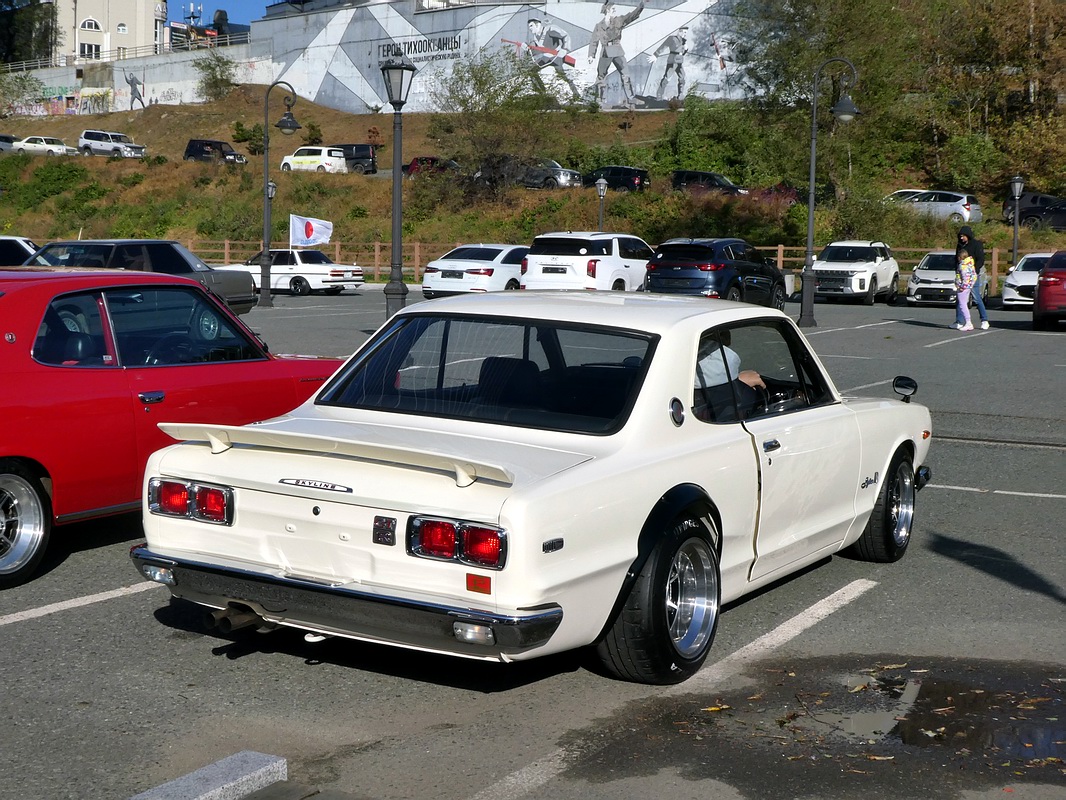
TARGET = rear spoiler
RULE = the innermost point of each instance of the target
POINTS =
(222, 437)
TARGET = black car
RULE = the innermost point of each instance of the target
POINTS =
(237, 289)
(730, 269)
(623, 179)
(704, 181)
(212, 150)
(1051, 217)
(360, 158)
(1028, 201)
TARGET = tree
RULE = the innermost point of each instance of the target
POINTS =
(216, 75)
(28, 31)
(16, 86)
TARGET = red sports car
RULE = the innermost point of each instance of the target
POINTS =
(92, 360)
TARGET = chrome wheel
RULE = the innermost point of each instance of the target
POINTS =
(901, 504)
(23, 525)
(691, 597)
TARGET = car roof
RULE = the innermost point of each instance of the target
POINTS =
(651, 313)
(75, 278)
(596, 234)
(111, 241)
(703, 240)
(858, 243)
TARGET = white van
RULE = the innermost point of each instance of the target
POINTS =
(316, 159)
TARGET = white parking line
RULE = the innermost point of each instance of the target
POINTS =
(541, 771)
(77, 602)
(1044, 495)
(864, 386)
(808, 334)
(961, 336)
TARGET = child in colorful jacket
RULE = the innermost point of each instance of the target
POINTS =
(965, 278)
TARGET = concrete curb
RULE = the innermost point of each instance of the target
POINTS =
(229, 779)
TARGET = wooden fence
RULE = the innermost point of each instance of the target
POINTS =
(376, 257)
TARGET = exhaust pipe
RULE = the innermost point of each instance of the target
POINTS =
(228, 620)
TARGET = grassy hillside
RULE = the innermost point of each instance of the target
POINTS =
(166, 197)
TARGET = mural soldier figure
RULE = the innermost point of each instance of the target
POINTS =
(549, 45)
(135, 92)
(674, 50)
(607, 41)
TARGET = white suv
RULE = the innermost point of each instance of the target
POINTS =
(569, 260)
(316, 159)
(109, 143)
(857, 269)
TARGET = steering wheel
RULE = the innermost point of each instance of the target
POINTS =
(174, 348)
(778, 400)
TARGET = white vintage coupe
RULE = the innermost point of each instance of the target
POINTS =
(512, 475)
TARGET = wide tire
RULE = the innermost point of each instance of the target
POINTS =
(665, 629)
(25, 523)
(888, 533)
(299, 287)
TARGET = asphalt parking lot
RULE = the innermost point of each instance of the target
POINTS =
(937, 677)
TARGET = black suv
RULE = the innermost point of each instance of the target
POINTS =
(360, 158)
(730, 269)
(624, 179)
(704, 181)
(212, 150)
(1028, 202)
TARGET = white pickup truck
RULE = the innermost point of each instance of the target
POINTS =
(857, 269)
(301, 272)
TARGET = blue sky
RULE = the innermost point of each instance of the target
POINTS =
(241, 12)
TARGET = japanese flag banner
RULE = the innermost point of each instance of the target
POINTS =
(306, 231)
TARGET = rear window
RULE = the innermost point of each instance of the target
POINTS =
(538, 374)
(569, 246)
(684, 252)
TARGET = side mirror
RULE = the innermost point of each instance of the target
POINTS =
(905, 387)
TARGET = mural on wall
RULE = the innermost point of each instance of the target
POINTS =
(618, 55)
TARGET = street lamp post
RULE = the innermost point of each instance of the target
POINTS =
(288, 126)
(601, 190)
(845, 111)
(1017, 185)
(398, 75)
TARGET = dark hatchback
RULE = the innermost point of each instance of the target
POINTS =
(622, 179)
(694, 180)
(730, 269)
(1051, 217)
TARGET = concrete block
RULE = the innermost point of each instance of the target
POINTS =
(231, 778)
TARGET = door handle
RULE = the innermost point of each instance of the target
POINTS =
(771, 446)
(148, 398)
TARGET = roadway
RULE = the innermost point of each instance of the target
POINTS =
(111, 690)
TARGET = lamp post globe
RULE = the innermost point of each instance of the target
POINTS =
(288, 126)
(398, 75)
(845, 111)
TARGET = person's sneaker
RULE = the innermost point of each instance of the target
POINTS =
(984, 324)
(957, 326)
(966, 328)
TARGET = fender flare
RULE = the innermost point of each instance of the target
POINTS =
(681, 498)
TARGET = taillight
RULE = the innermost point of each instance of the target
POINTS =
(435, 538)
(524, 267)
(453, 540)
(650, 266)
(590, 268)
(966, 206)
(482, 271)
(172, 498)
(710, 267)
(428, 270)
(481, 546)
(336, 273)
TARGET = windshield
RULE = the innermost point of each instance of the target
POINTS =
(1032, 263)
(525, 373)
(938, 261)
(843, 253)
(121, 137)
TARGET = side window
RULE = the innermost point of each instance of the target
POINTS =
(71, 333)
(284, 258)
(515, 256)
(173, 325)
(163, 258)
(131, 256)
(717, 366)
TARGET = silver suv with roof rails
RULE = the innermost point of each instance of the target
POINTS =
(109, 143)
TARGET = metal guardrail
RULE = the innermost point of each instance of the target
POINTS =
(121, 53)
